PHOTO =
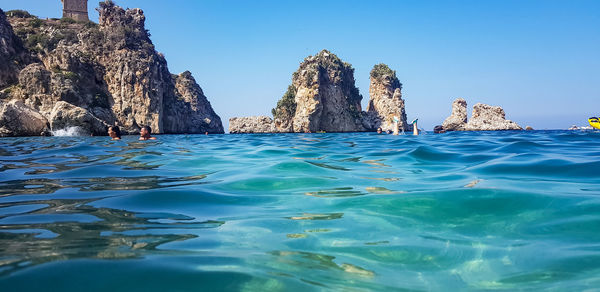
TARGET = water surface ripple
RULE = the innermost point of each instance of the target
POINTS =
(458, 211)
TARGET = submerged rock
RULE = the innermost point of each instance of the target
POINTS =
(101, 74)
(386, 101)
(247, 125)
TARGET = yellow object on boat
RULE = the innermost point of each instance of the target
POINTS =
(594, 122)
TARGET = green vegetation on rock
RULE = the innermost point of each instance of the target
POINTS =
(70, 75)
(286, 106)
(18, 13)
(380, 70)
(106, 4)
(35, 22)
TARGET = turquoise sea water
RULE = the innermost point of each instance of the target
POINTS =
(302, 212)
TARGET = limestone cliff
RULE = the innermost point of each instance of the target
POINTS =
(248, 125)
(483, 118)
(94, 75)
(322, 97)
(190, 111)
(386, 101)
(458, 119)
(11, 53)
(489, 118)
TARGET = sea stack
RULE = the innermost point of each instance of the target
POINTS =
(458, 119)
(322, 97)
(95, 75)
(386, 101)
(489, 118)
(483, 118)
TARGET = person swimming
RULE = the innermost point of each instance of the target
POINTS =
(145, 132)
(114, 132)
(379, 130)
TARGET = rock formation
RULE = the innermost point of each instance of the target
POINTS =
(322, 97)
(386, 101)
(458, 119)
(19, 120)
(11, 53)
(94, 75)
(247, 125)
(483, 118)
(191, 111)
(489, 118)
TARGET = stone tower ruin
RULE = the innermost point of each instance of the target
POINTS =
(75, 9)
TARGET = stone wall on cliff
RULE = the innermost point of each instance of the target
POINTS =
(107, 72)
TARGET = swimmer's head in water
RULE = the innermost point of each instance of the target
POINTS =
(114, 132)
(145, 131)
(379, 130)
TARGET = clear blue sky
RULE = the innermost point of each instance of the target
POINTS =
(539, 60)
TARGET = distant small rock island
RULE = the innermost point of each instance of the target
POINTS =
(484, 118)
(59, 73)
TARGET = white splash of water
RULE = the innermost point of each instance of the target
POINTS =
(69, 132)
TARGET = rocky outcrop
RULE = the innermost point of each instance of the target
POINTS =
(386, 101)
(248, 125)
(458, 119)
(11, 53)
(17, 119)
(104, 74)
(190, 111)
(322, 97)
(65, 115)
(489, 118)
(483, 118)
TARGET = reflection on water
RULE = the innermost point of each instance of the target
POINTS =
(106, 237)
(48, 186)
(458, 211)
